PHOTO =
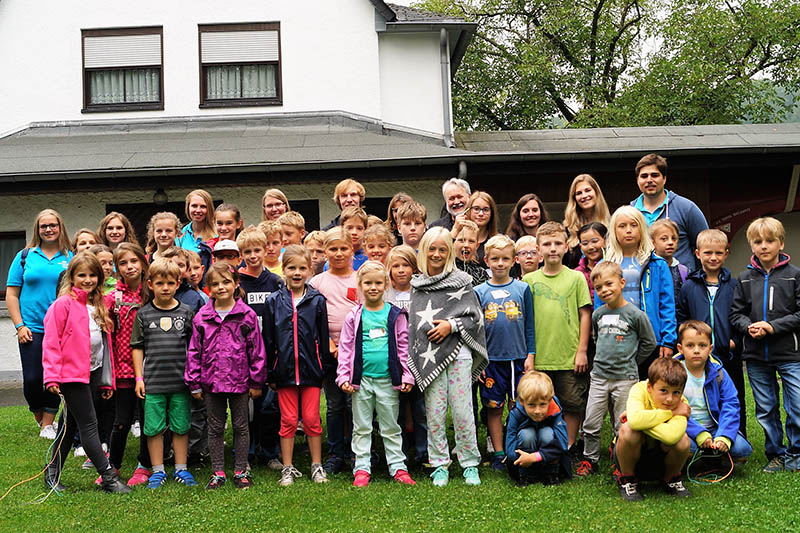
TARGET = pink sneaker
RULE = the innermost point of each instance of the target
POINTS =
(362, 479)
(140, 477)
(401, 476)
(99, 479)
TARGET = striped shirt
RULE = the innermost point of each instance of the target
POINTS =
(164, 336)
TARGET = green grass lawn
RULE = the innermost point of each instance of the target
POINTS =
(750, 500)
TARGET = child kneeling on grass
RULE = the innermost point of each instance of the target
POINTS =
(373, 367)
(536, 434)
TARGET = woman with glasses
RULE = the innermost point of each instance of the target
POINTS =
(585, 204)
(482, 210)
(31, 288)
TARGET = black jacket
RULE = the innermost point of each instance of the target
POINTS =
(695, 304)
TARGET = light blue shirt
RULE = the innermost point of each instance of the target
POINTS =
(632, 272)
(38, 284)
(648, 216)
(187, 240)
(697, 400)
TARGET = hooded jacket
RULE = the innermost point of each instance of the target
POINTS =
(123, 311)
(774, 297)
(225, 355)
(696, 303)
(556, 450)
(258, 289)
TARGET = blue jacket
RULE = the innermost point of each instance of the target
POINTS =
(696, 304)
(190, 296)
(722, 402)
(518, 420)
(296, 339)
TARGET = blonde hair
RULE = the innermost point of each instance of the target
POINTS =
(335, 234)
(251, 236)
(294, 251)
(95, 298)
(315, 236)
(293, 219)
(130, 234)
(378, 231)
(711, 236)
(404, 252)
(661, 225)
(524, 241)
(766, 227)
(574, 217)
(346, 184)
(372, 220)
(206, 230)
(80, 232)
(498, 242)
(278, 195)
(194, 257)
(412, 210)
(606, 267)
(550, 228)
(353, 212)
(534, 386)
(270, 227)
(176, 251)
(164, 268)
(470, 226)
(151, 245)
(431, 236)
(613, 247)
(63, 238)
(372, 266)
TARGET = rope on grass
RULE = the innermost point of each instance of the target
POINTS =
(714, 475)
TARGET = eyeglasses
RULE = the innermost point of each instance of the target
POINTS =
(274, 206)
(479, 210)
(527, 253)
(229, 255)
(45, 227)
(594, 241)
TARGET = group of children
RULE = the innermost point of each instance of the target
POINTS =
(395, 327)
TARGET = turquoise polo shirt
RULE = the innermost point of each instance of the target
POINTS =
(187, 240)
(648, 216)
(38, 282)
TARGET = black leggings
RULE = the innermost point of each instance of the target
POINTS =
(123, 419)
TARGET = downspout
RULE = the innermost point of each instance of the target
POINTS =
(447, 110)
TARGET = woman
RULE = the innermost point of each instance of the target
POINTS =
(527, 216)
(273, 204)
(32, 287)
(200, 211)
(114, 229)
(482, 210)
(398, 200)
(585, 204)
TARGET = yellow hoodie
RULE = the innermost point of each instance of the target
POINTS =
(658, 423)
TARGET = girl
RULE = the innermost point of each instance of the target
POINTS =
(527, 216)
(273, 204)
(31, 288)
(227, 224)
(296, 341)
(162, 230)
(585, 204)
(648, 282)
(225, 365)
(84, 239)
(447, 352)
(123, 303)
(77, 363)
(482, 210)
(397, 201)
(378, 240)
(114, 229)
(592, 240)
(199, 209)
(106, 258)
(373, 355)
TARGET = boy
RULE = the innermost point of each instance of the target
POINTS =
(536, 434)
(315, 244)
(714, 424)
(528, 257)
(508, 314)
(272, 251)
(159, 339)
(378, 240)
(227, 250)
(354, 222)
(664, 234)
(652, 443)
(624, 338)
(411, 223)
(466, 248)
(765, 310)
(339, 287)
(293, 228)
(712, 287)
(185, 294)
(563, 318)
(195, 269)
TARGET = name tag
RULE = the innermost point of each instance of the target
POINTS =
(609, 320)
(499, 294)
(377, 333)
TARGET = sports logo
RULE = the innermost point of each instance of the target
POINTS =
(180, 322)
(165, 323)
(152, 326)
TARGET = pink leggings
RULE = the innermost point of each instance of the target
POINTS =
(308, 399)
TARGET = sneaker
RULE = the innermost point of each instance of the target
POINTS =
(471, 476)
(88, 464)
(216, 482)
(79, 452)
(361, 479)
(586, 468)
(99, 480)
(275, 464)
(288, 473)
(185, 477)
(157, 480)
(318, 474)
(402, 477)
(48, 432)
(775, 465)
(334, 465)
(499, 461)
(675, 487)
(550, 479)
(136, 430)
(242, 480)
(629, 489)
(440, 476)
(140, 477)
(576, 454)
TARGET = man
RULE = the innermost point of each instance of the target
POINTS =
(656, 203)
(348, 193)
(456, 195)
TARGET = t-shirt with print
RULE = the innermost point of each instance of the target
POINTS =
(556, 300)
(623, 338)
(509, 319)
(693, 391)
(632, 272)
(341, 295)
(375, 342)
(164, 335)
(399, 299)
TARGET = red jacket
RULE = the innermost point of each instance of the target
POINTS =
(123, 326)
(66, 349)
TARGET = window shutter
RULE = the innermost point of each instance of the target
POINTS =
(122, 51)
(239, 46)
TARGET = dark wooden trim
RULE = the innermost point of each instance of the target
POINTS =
(241, 26)
(140, 30)
(10, 235)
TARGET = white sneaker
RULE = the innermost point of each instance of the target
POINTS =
(318, 474)
(136, 430)
(80, 452)
(288, 473)
(48, 432)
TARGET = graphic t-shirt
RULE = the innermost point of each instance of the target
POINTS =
(632, 272)
(375, 342)
(624, 337)
(508, 317)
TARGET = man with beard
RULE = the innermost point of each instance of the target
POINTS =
(456, 194)
(348, 193)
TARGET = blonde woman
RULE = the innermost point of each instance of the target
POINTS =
(585, 204)
(200, 211)
(273, 204)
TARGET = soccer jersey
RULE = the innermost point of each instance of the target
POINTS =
(164, 335)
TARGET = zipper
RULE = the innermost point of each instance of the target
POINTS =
(771, 296)
(711, 313)
(794, 336)
(296, 353)
(705, 395)
(764, 314)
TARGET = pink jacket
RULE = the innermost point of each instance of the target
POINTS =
(66, 348)
(350, 346)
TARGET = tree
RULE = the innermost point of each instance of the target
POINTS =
(593, 63)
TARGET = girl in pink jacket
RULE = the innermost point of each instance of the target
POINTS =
(76, 358)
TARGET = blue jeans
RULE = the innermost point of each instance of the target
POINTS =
(38, 398)
(740, 448)
(531, 439)
(763, 381)
(338, 417)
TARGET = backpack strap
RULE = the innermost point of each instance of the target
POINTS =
(24, 257)
(117, 301)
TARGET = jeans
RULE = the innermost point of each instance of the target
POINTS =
(376, 395)
(36, 396)
(531, 440)
(763, 381)
(339, 417)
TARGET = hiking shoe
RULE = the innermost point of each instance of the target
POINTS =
(48, 432)
(156, 480)
(275, 464)
(629, 489)
(334, 465)
(775, 464)
(361, 478)
(99, 480)
(318, 474)
(140, 477)
(185, 477)
(675, 487)
(440, 476)
(471, 476)
(499, 461)
(242, 480)
(586, 468)
(112, 483)
(402, 477)
(215, 482)
(288, 473)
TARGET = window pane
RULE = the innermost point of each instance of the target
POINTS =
(122, 86)
(258, 81)
(142, 85)
(226, 82)
(9, 246)
(107, 87)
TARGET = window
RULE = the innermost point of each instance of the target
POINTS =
(123, 69)
(11, 242)
(240, 65)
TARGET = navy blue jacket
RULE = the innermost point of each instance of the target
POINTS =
(257, 290)
(696, 304)
(186, 294)
(554, 452)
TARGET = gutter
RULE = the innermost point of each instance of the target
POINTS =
(447, 104)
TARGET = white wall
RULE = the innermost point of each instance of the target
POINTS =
(411, 81)
(329, 54)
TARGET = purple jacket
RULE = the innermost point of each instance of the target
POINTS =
(226, 356)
